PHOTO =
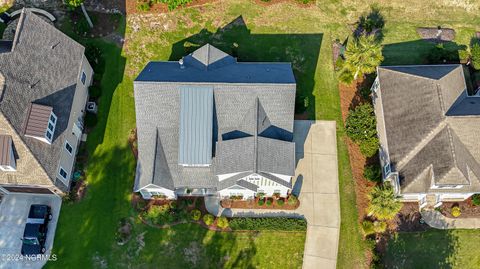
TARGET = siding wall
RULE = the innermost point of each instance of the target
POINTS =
(67, 160)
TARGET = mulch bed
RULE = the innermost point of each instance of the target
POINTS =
(408, 220)
(466, 207)
(436, 34)
(132, 141)
(349, 99)
(253, 204)
(103, 23)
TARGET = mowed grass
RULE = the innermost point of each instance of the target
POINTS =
(434, 249)
(286, 31)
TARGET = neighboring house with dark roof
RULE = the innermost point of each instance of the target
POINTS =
(428, 124)
(43, 91)
(208, 124)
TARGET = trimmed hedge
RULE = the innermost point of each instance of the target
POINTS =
(277, 224)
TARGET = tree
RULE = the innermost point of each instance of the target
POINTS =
(361, 127)
(363, 55)
(383, 203)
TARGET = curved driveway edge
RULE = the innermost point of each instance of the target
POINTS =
(316, 184)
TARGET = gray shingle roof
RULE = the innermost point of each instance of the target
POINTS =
(157, 105)
(420, 103)
(42, 67)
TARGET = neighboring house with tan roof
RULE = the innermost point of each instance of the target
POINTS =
(43, 92)
(209, 125)
(428, 124)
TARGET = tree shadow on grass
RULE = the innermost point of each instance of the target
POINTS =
(302, 50)
(432, 249)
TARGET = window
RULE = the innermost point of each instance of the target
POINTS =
(49, 135)
(84, 78)
(50, 126)
(68, 147)
(53, 119)
(63, 173)
(387, 169)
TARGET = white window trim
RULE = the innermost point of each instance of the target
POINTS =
(54, 124)
(59, 172)
(66, 143)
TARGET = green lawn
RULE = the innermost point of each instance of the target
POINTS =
(85, 235)
(434, 249)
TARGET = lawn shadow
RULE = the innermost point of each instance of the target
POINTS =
(430, 249)
(302, 50)
(421, 52)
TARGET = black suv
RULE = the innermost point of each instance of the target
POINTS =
(35, 234)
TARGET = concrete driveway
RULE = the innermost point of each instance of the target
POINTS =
(316, 183)
(13, 214)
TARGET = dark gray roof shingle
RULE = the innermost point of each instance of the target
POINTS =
(157, 105)
(42, 67)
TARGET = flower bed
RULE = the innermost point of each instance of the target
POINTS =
(290, 203)
(467, 209)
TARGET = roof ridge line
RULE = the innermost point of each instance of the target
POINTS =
(421, 145)
(255, 135)
(413, 75)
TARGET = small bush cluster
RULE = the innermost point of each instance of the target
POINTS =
(269, 202)
(361, 127)
(196, 214)
(439, 55)
(373, 173)
(158, 214)
(72, 4)
(292, 199)
(94, 91)
(208, 219)
(280, 202)
(261, 202)
(475, 51)
(222, 222)
(371, 227)
(278, 224)
(456, 212)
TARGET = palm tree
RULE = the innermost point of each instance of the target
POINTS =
(363, 55)
(383, 203)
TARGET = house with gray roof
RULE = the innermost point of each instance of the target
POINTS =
(208, 125)
(44, 79)
(428, 124)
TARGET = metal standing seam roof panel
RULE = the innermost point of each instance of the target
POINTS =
(5, 149)
(196, 126)
(37, 120)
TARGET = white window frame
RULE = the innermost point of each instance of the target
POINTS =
(66, 143)
(60, 173)
(53, 121)
(387, 170)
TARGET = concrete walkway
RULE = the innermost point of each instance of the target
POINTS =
(316, 184)
(436, 220)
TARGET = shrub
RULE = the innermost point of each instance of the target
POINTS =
(208, 219)
(91, 120)
(189, 202)
(383, 203)
(361, 127)
(464, 55)
(362, 56)
(280, 202)
(260, 195)
(292, 199)
(278, 224)
(261, 202)
(94, 91)
(196, 214)
(374, 20)
(456, 212)
(373, 173)
(476, 199)
(475, 50)
(94, 56)
(158, 214)
(269, 202)
(72, 4)
(379, 226)
(143, 6)
(367, 228)
(222, 222)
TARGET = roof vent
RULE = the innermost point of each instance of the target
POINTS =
(55, 45)
(182, 66)
(31, 86)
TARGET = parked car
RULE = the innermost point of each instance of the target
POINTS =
(35, 234)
